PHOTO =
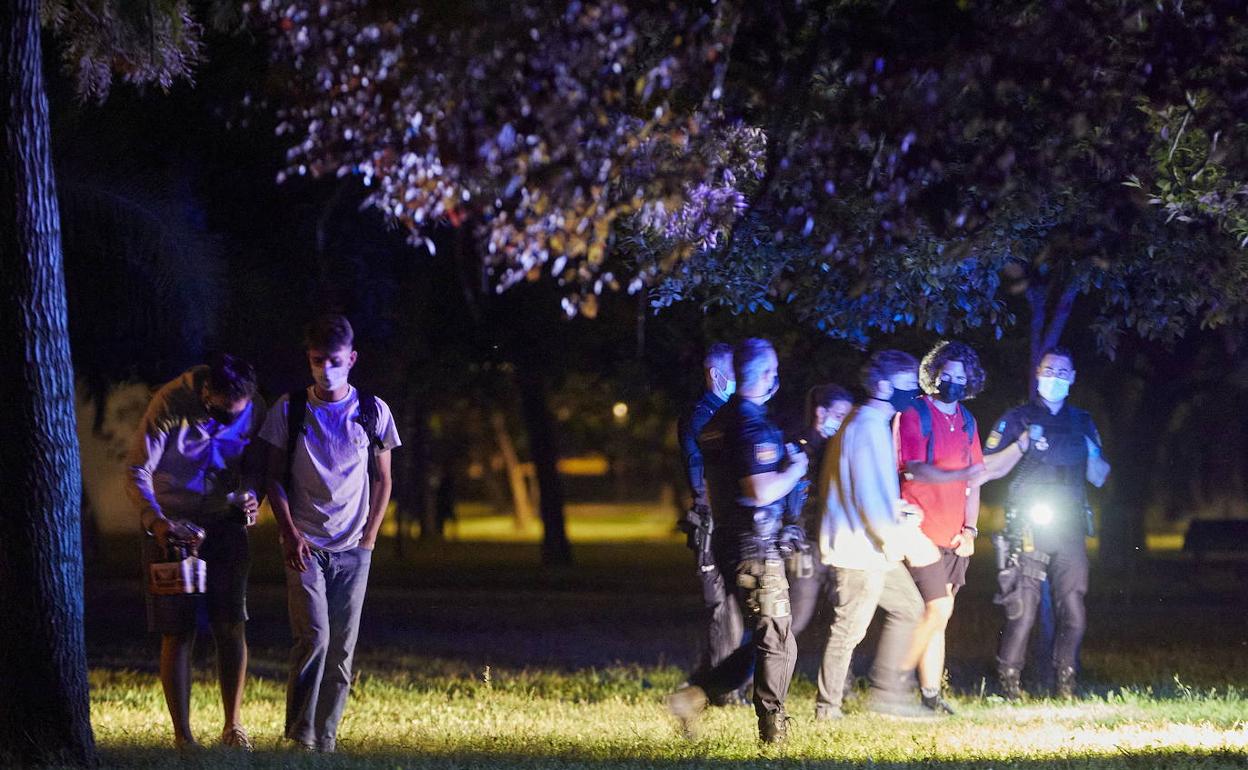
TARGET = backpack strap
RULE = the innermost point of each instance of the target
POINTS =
(968, 423)
(368, 417)
(296, 414)
(925, 425)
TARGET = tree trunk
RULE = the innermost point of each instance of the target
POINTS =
(522, 505)
(556, 550)
(44, 714)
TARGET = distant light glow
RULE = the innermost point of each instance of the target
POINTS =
(620, 411)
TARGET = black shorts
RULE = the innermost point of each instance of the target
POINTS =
(932, 579)
(228, 556)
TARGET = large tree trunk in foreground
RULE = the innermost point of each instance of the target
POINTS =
(44, 715)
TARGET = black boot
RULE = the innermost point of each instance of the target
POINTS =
(1009, 678)
(773, 727)
(1065, 688)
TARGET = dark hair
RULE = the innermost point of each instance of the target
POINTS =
(230, 376)
(944, 352)
(718, 356)
(825, 396)
(328, 332)
(747, 357)
(1057, 350)
(883, 364)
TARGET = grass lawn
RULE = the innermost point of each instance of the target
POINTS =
(472, 656)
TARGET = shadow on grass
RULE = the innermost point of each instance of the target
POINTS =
(687, 758)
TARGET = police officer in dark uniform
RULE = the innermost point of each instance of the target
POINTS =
(724, 626)
(1052, 449)
(750, 475)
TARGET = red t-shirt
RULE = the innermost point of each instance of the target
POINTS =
(944, 505)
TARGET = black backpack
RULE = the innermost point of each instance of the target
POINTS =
(296, 415)
(925, 424)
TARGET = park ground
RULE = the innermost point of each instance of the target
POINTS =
(473, 656)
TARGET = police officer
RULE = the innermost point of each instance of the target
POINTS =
(724, 626)
(749, 476)
(1052, 449)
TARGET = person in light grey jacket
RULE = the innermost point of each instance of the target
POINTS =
(865, 534)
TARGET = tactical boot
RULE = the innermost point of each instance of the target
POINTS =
(1065, 688)
(773, 727)
(1009, 678)
(687, 704)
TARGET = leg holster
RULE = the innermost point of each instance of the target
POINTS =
(765, 587)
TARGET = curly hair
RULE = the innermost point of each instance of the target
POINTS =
(944, 352)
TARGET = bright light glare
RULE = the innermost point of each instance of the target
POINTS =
(1041, 513)
(620, 410)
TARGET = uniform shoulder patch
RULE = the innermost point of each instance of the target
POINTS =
(766, 453)
(994, 439)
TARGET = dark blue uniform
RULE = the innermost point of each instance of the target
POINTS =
(724, 627)
(737, 443)
(1053, 474)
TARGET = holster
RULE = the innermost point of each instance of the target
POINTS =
(766, 588)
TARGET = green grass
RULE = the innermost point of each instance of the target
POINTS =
(436, 714)
(1166, 661)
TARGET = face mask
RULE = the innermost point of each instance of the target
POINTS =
(903, 399)
(775, 387)
(829, 427)
(330, 378)
(726, 390)
(222, 416)
(1052, 388)
(951, 392)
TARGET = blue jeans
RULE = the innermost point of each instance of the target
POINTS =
(324, 604)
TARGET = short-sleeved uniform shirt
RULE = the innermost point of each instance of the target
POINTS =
(329, 498)
(944, 504)
(687, 432)
(1054, 471)
(739, 442)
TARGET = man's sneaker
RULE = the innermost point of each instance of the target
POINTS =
(773, 727)
(902, 709)
(937, 704)
(1065, 688)
(1010, 681)
(826, 713)
(687, 704)
(236, 738)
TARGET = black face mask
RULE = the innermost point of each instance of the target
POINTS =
(223, 416)
(951, 392)
(903, 399)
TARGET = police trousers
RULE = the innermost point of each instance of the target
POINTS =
(1068, 578)
(772, 649)
(724, 626)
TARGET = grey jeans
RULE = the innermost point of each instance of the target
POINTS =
(324, 604)
(858, 594)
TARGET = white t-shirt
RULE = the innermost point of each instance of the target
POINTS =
(329, 470)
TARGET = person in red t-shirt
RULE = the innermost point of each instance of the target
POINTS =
(941, 461)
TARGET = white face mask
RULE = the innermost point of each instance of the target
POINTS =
(829, 427)
(330, 377)
(1052, 388)
(728, 387)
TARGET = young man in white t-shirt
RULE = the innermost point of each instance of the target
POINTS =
(329, 490)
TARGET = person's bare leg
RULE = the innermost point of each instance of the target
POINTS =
(175, 678)
(936, 615)
(932, 664)
(231, 641)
